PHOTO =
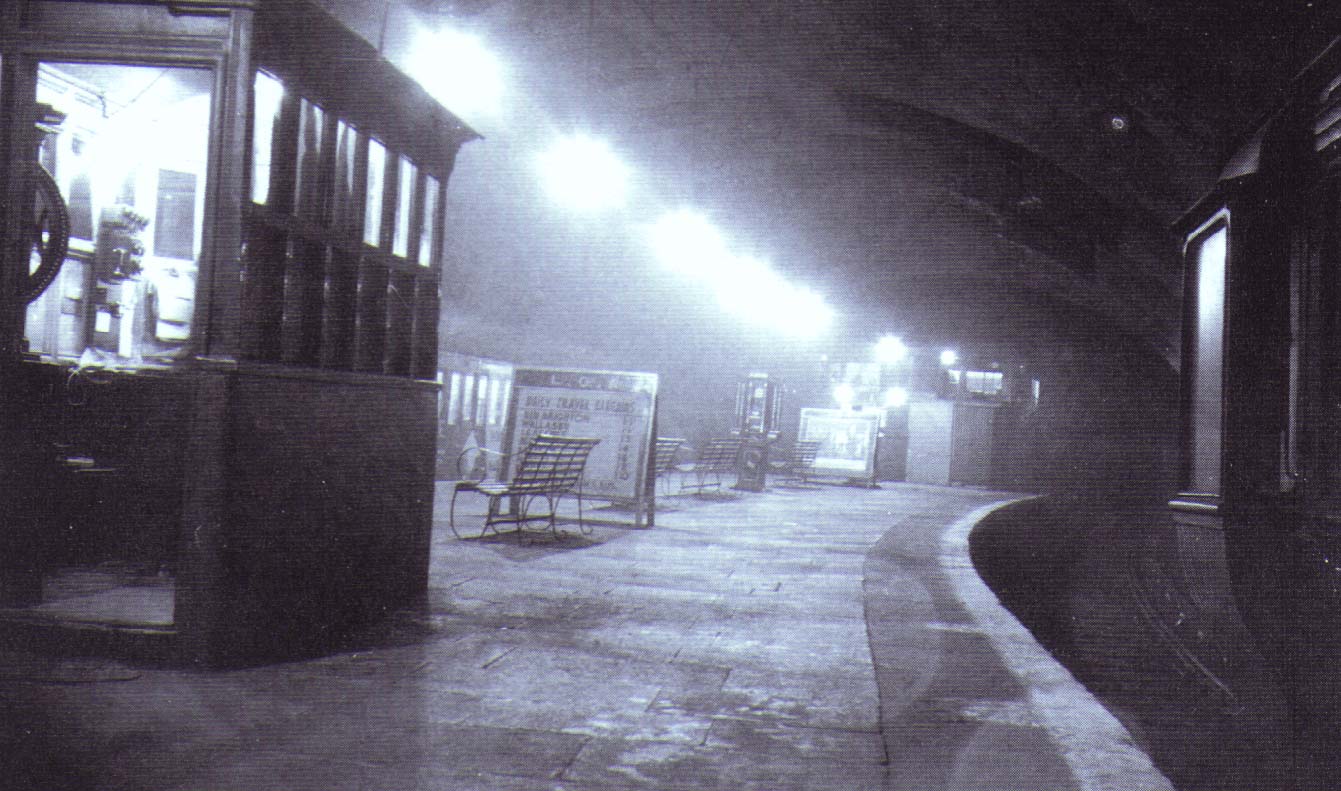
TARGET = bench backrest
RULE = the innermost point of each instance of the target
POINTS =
(804, 453)
(551, 465)
(665, 453)
(719, 455)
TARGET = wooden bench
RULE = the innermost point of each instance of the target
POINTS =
(550, 467)
(663, 459)
(717, 457)
(800, 462)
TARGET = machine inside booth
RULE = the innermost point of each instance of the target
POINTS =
(222, 251)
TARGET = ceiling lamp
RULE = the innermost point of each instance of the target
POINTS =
(457, 70)
(584, 174)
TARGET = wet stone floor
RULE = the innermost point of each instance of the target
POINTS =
(726, 648)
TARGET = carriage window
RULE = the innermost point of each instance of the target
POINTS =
(128, 154)
(468, 399)
(324, 286)
(428, 230)
(482, 400)
(408, 174)
(269, 96)
(372, 216)
(308, 190)
(454, 399)
(495, 390)
(1206, 256)
(345, 217)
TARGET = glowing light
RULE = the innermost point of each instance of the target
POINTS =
(745, 286)
(584, 174)
(844, 395)
(687, 242)
(890, 350)
(457, 70)
(750, 289)
(896, 397)
(949, 357)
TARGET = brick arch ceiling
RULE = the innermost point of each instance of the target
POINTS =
(922, 159)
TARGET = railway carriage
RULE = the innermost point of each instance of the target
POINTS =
(1261, 404)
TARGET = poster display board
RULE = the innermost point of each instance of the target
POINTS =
(616, 407)
(847, 441)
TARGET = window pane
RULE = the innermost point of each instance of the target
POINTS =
(307, 195)
(128, 153)
(269, 93)
(372, 216)
(1206, 381)
(400, 242)
(175, 221)
(346, 219)
(428, 232)
(482, 400)
(468, 399)
(454, 399)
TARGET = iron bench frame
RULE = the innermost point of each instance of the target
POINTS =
(801, 462)
(663, 459)
(717, 457)
(550, 467)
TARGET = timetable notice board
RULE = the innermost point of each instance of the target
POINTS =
(613, 406)
(847, 441)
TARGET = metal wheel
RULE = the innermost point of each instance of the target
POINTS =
(49, 232)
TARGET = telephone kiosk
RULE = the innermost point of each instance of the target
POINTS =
(758, 415)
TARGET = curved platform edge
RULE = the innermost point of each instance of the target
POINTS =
(1097, 748)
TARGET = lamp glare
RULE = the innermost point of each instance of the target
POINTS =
(896, 397)
(844, 395)
(457, 70)
(584, 174)
(890, 350)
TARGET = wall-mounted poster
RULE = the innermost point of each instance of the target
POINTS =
(847, 441)
(616, 407)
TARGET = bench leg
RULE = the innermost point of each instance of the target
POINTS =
(581, 527)
(553, 503)
(494, 516)
(451, 513)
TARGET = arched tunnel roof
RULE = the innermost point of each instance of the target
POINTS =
(953, 171)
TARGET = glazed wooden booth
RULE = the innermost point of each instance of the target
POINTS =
(219, 414)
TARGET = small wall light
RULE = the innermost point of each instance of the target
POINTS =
(896, 397)
(844, 395)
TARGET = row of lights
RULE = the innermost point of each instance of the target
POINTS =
(584, 174)
(688, 243)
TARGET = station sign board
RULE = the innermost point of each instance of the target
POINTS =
(616, 407)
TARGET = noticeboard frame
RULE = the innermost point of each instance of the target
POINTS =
(619, 407)
(847, 442)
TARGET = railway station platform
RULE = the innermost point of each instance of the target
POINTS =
(821, 638)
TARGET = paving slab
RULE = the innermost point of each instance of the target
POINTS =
(778, 641)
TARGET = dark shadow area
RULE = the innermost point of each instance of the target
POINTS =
(1139, 609)
(530, 545)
